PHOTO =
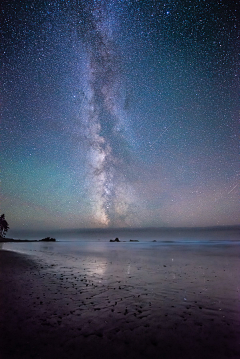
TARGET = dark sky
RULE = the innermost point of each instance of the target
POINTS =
(119, 113)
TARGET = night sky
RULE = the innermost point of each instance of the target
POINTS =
(119, 113)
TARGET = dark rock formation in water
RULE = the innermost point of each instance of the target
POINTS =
(48, 239)
(114, 240)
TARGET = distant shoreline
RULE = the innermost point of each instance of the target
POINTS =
(7, 240)
(10, 240)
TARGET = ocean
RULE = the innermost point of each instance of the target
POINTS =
(151, 243)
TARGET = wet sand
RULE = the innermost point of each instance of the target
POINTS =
(174, 302)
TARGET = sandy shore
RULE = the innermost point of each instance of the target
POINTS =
(183, 308)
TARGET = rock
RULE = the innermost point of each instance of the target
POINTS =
(114, 240)
(48, 239)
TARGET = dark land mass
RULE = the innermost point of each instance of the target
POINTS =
(6, 240)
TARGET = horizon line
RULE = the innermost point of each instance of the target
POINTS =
(103, 229)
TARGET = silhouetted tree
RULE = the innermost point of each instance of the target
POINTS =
(4, 227)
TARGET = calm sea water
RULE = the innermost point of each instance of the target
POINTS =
(75, 243)
(141, 234)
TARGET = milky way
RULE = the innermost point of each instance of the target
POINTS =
(109, 191)
(119, 114)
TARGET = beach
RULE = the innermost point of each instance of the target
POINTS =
(120, 300)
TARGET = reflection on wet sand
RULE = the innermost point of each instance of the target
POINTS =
(127, 301)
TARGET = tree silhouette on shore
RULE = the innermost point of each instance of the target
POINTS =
(4, 227)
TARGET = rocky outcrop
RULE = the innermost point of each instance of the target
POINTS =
(48, 239)
(114, 240)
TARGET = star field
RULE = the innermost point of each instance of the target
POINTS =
(119, 113)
